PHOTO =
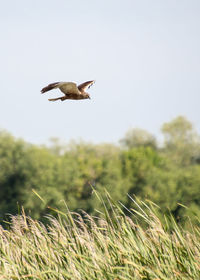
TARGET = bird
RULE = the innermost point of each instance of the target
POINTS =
(70, 89)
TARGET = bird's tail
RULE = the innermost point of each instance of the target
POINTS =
(50, 87)
(58, 98)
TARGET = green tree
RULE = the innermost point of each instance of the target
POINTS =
(137, 137)
(90, 166)
(137, 165)
(24, 167)
(181, 141)
(67, 173)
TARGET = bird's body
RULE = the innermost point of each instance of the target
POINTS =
(70, 89)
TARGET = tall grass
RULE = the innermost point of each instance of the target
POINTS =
(75, 246)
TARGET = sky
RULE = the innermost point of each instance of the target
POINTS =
(144, 56)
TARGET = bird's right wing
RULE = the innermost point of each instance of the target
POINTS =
(84, 86)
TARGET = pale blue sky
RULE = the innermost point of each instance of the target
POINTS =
(144, 56)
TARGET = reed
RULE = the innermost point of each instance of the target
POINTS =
(80, 247)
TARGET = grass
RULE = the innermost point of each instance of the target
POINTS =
(74, 246)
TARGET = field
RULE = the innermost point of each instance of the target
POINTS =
(74, 246)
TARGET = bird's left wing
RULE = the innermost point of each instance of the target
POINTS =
(84, 86)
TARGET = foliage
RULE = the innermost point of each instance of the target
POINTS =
(84, 247)
(181, 140)
(138, 137)
(68, 173)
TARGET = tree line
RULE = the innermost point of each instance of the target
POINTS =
(41, 178)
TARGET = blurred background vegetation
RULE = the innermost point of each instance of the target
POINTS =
(167, 174)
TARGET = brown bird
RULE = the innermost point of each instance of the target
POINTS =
(71, 90)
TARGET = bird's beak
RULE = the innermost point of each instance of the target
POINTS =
(89, 97)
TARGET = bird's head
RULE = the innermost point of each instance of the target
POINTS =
(87, 96)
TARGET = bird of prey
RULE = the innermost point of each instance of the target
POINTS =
(70, 89)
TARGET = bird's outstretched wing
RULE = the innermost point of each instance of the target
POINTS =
(84, 86)
(50, 87)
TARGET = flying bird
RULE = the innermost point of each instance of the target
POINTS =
(70, 89)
